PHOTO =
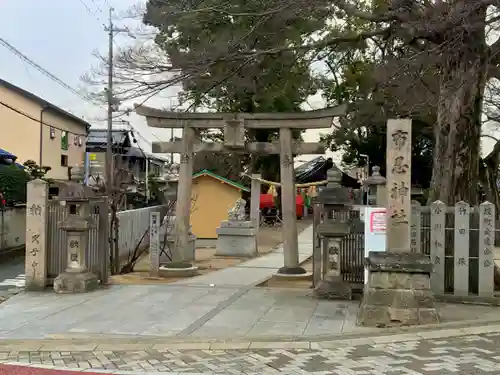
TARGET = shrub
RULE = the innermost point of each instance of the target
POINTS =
(13, 182)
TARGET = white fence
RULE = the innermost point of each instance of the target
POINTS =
(12, 228)
(133, 225)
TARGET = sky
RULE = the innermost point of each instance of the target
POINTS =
(61, 36)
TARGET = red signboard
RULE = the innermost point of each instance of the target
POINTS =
(378, 221)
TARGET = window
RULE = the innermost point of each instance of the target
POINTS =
(64, 160)
(64, 140)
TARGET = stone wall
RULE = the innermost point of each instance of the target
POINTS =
(12, 228)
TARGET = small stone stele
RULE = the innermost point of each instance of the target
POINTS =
(398, 292)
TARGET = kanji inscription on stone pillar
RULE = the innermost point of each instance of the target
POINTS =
(398, 185)
(36, 235)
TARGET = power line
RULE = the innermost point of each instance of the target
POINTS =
(44, 71)
(18, 111)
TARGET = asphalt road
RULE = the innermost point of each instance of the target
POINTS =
(12, 273)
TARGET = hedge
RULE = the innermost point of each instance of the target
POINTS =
(13, 182)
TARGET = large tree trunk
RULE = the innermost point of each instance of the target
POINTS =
(455, 174)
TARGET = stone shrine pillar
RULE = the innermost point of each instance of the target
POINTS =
(398, 288)
(336, 225)
(237, 237)
(77, 224)
(377, 193)
(36, 235)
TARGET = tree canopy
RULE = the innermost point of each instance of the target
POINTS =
(428, 60)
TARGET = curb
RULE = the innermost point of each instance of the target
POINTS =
(317, 343)
(378, 332)
(71, 370)
(229, 346)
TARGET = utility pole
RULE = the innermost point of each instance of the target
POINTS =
(112, 31)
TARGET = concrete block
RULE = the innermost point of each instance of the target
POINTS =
(68, 282)
(237, 241)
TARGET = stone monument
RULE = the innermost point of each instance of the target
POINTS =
(77, 224)
(237, 237)
(398, 289)
(36, 235)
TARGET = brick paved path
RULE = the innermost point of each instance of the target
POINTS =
(20, 370)
(472, 354)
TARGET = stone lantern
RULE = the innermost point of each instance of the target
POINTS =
(77, 223)
(376, 187)
(335, 225)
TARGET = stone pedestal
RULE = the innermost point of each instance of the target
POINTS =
(398, 291)
(69, 282)
(236, 239)
(331, 285)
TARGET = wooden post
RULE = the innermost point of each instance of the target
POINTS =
(36, 235)
(461, 255)
(288, 206)
(183, 204)
(398, 185)
(255, 203)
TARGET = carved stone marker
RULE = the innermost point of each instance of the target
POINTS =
(398, 291)
(36, 235)
(237, 237)
(76, 224)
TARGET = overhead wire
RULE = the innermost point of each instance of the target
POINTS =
(44, 71)
(22, 113)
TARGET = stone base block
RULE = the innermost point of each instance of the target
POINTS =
(293, 277)
(166, 271)
(68, 282)
(237, 241)
(286, 271)
(333, 288)
(398, 291)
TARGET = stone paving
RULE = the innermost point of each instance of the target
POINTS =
(219, 305)
(466, 354)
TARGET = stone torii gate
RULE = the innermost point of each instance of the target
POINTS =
(234, 126)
